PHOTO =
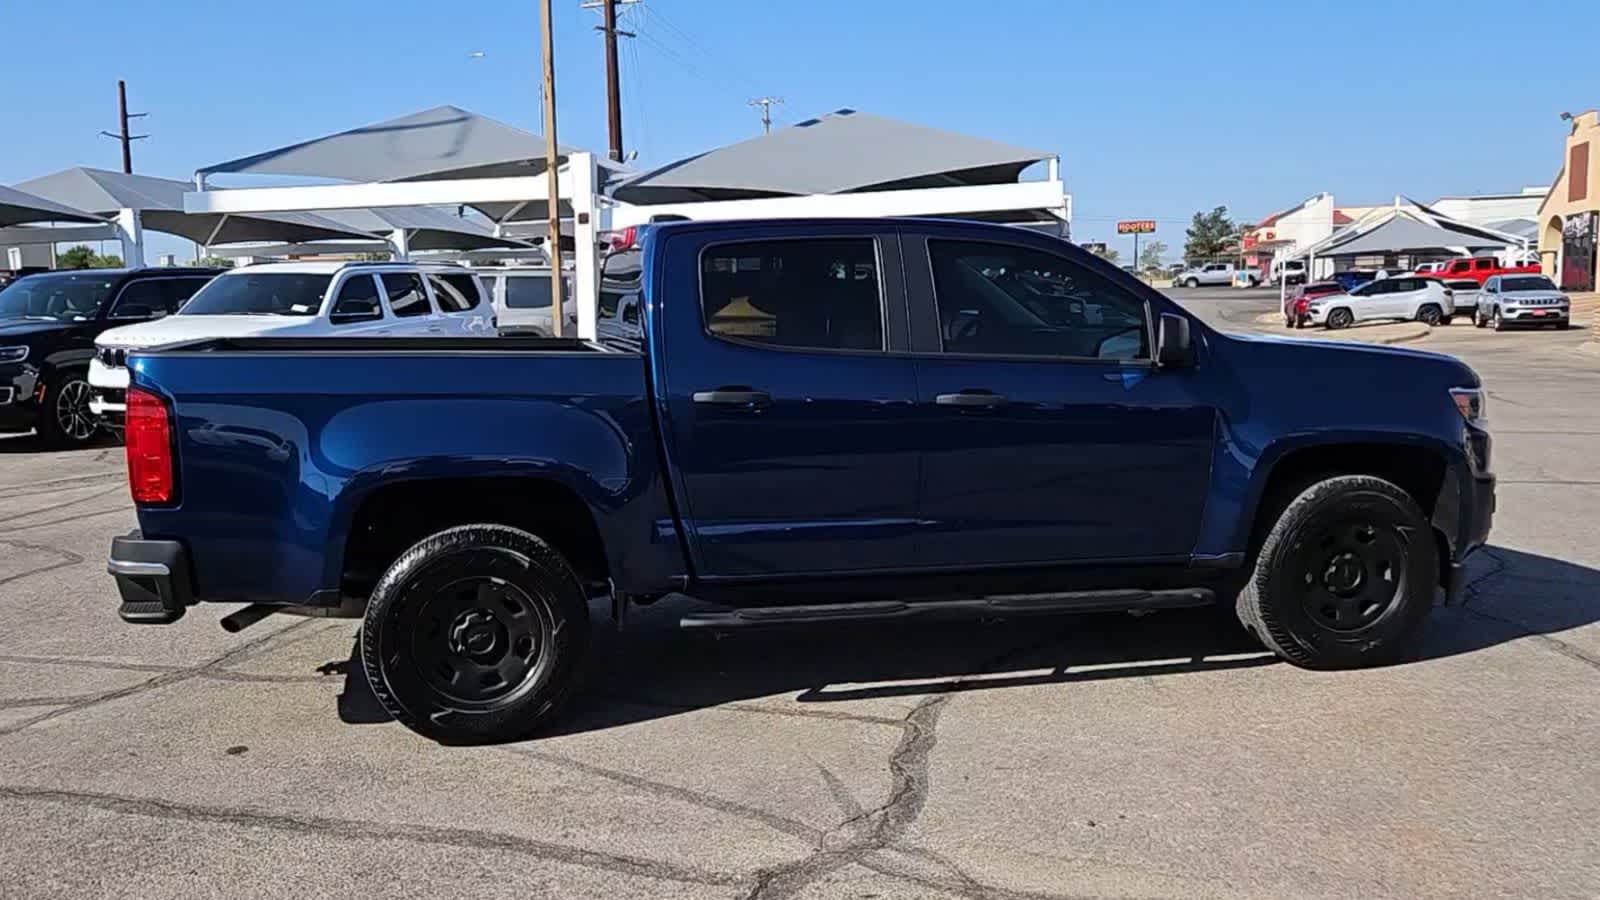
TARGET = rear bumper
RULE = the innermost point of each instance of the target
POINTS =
(153, 578)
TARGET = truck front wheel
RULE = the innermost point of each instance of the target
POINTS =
(1345, 577)
(476, 634)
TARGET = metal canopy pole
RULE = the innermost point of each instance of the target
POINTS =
(558, 307)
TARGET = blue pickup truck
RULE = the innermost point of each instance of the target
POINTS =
(801, 421)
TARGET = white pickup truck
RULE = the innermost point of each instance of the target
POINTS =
(301, 299)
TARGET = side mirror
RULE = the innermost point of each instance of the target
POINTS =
(1173, 346)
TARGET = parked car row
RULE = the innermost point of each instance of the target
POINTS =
(1503, 301)
(65, 336)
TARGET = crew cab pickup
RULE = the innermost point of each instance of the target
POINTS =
(1481, 269)
(813, 420)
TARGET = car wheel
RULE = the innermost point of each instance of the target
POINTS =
(1339, 318)
(1429, 315)
(64, 417)
(1478, 321)
(1345, 577)
(476, 634)
(1191, 283)
(1499, 321)
(1447, 320)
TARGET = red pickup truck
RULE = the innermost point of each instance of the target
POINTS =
(1480, 269)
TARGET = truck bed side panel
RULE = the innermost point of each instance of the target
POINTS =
(276, 451)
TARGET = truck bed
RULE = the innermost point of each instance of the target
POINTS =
(279, 441)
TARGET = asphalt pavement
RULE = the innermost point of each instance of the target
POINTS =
(1099, 756)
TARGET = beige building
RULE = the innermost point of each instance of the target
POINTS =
(1569, 217)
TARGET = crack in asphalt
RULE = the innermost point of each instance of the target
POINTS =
(32, 526)
(26, 659)
(854, 840)
(163, 679)
(325, 826)
(1501, 567)
(63, 505)
(774, 821)
(753, 708)
(66, 558)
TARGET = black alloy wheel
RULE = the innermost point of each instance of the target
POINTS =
(1429, 315)
(476, 634)
(64, 418)
(1340, 318)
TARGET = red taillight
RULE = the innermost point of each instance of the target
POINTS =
(148, 431)
(624, 239)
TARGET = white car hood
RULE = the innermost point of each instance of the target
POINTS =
(180, 328)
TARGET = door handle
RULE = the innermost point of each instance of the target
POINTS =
(972, 397)
(734, 396)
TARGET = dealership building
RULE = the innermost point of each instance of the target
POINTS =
(1569, 218)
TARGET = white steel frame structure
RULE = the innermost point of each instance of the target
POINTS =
(594, 213)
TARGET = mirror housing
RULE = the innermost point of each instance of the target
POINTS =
(1174, 347)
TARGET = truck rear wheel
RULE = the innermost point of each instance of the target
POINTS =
(476, 634)
(1345, 577)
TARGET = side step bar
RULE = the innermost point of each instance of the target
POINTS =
(1009, 605)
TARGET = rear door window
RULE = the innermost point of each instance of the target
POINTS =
(1482, 265)
(822, 294)
(143, 299)
(407, 296)
(528, 291)
(454, 291)
(357, 301)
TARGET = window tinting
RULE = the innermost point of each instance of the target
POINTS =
(1480, 265)
(1006, 300)
(1527, 283)
(527, 291)
(407, 296)
(260, 294)
(50, 296)
(454, 291)
(142, 300)
(358, 300)
(179, 290)
(821, 294)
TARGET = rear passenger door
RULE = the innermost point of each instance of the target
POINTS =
(462, 309)
(1048, 434)
(789, 398)
(407, 299)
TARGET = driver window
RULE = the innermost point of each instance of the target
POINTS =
(142, 300)
(1007, 300)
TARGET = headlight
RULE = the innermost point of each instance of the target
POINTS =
(1472, 403)
(13, 354)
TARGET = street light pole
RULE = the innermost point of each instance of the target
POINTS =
(558, 309)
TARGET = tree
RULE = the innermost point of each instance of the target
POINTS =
(214, 262)
(1108, 254)
(1150, 256)
(83, 256)
(1210, 235)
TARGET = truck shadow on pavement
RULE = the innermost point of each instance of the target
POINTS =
(652, 669)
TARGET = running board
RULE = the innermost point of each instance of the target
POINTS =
(975, 607)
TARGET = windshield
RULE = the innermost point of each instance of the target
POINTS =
(259, 294)
(64, 298)
(1527, 283)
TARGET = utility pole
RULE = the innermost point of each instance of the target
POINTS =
(122, 134)
(608, 28)
(558, 307)
(766, 111)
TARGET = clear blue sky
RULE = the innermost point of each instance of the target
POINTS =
(1156, 108)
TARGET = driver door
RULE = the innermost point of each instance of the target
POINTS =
(1047, 434)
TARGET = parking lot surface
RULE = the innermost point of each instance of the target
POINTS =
(1098, 756)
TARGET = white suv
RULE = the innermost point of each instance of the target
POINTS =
(1403, 297)
(301, 299)
(1210, 273)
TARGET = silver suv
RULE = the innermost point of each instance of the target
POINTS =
(1508, 300)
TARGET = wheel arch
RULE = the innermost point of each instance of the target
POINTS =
(384, 516)
(1425, 468)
